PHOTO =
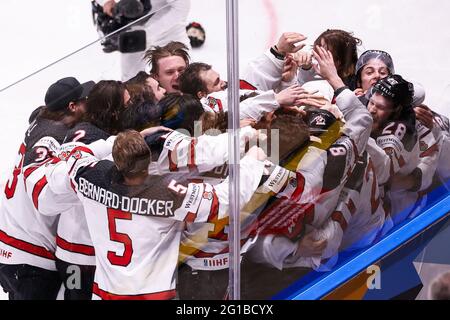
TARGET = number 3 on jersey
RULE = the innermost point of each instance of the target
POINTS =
(115, 259)
(11, 184)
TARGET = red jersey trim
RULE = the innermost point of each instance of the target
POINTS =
(26, 246)
(74, 247)
(163, 295)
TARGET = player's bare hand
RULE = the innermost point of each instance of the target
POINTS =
(288, 42)
(289, 96)
(152, 130)
(325, 63)
(289, 69)
(303, 59)
(247, 122)
(257, 153)
(359, 92)
(295, 109)
(311, 99)
(424, 115)
(308, 246)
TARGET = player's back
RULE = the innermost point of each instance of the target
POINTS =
(26, 235)
(136, 246)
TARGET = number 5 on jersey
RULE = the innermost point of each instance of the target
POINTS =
(115, 259)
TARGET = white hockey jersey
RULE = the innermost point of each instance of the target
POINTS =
(442, 132)
(27, 237)
(136, 230)
(316, 180)
(409, 203)
(254, 107)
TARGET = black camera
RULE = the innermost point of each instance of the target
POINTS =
(125, 12)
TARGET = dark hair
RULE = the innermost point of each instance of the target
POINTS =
(173, 48)
(293, 133)
(141, 92)
(105, 104)
(190, 81)
(140, 115)
(44, 113)
(369, 55)
(343, 47)
(214, 120)
(139, 78)
(180, 111)
(131, 154)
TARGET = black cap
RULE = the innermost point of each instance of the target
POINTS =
(396, 88)
(64, 91)
(318, 120)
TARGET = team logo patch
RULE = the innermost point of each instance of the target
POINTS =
(319, 121)
(77, 155)
(212, 102)
(423, 146)
(207, 195)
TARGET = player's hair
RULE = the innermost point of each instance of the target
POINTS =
(214, 122)
(104, 105)
(140, 115)
(131, 154)
(293, 133)
(141, 92)
(180, 111)
(190, 80)
(343, 47)
(173, 48)
(45, 113)
(440, 287)
(139, 78)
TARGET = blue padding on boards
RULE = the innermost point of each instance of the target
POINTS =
(320, 286)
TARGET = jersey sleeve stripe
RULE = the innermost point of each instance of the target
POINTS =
(300, 187)
(339, 218)
(37, 191)
(191, 163)
(244, 85)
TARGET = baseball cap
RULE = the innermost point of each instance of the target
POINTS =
(64, 91)
(318, 120)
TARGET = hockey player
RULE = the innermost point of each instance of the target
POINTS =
(74, 248)
(27, 239)
(394, 146)
(201, 81)
(343, 46)
(167, 64)
(372, 66)
(135, 219)
(319, 175)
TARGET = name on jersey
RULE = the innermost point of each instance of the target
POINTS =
(390, 141)
(277, 179)
(142, 206)
(172, 140)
